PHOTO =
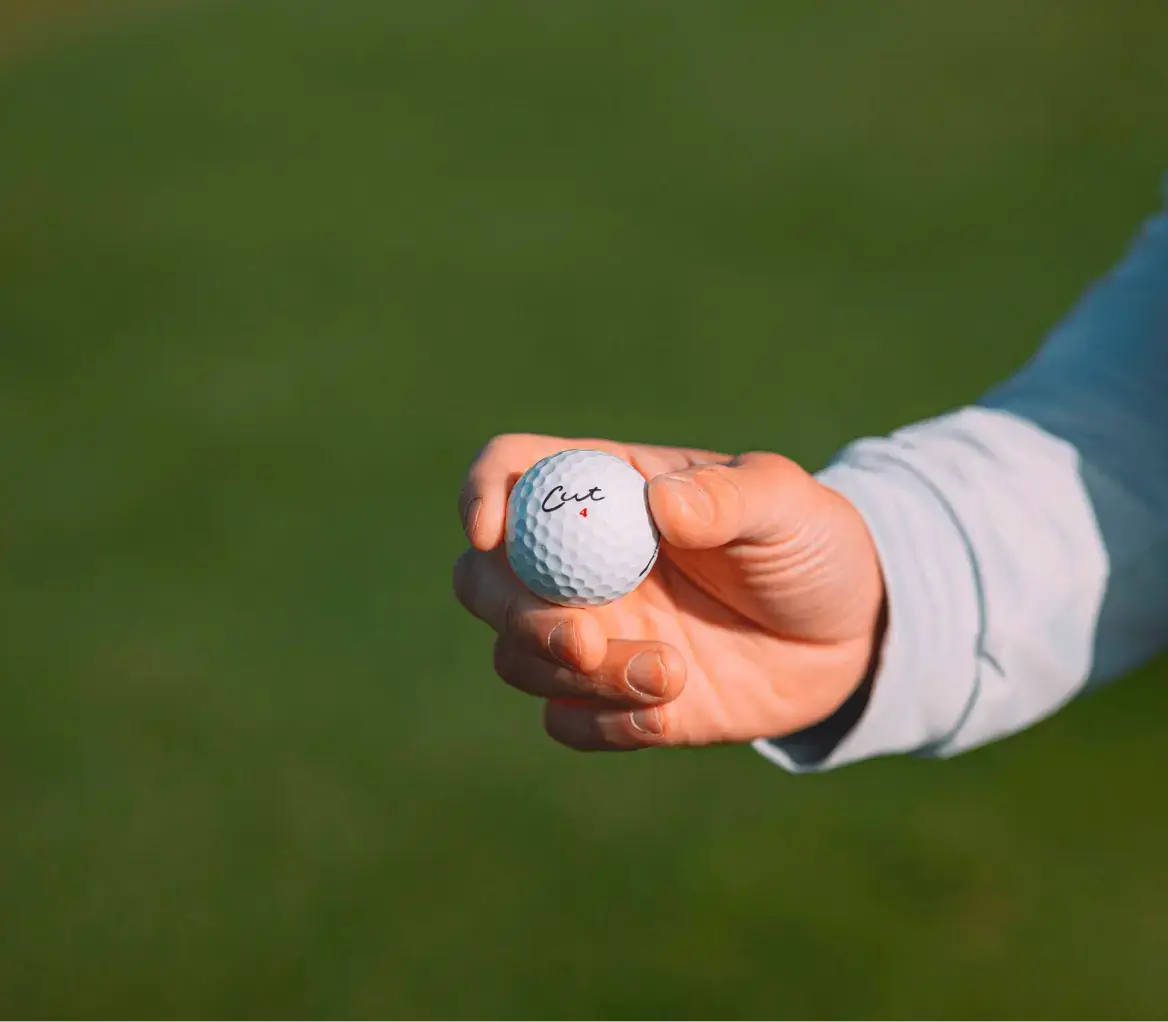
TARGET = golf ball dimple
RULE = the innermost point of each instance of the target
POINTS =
(579, 531)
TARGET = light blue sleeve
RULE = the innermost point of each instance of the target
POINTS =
(1101, 384)
(1024, 540)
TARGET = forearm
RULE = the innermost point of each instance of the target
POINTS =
(1024, 541)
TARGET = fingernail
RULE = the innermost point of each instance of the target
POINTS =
(645, 674)
(561, 642)
(648, 721)
(692, 496)
(470, 517)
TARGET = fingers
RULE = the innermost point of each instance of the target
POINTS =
(482, 501)
(757, 497)
(485, 585)
(602, 694)
(633, 673)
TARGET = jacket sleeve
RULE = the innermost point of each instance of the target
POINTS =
(1024, 540)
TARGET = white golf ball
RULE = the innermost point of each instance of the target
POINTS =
(579, 532)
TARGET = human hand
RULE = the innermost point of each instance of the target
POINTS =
(758, 620)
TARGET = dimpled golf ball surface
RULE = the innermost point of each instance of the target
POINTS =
(579, 531)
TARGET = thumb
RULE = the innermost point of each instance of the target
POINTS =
(757, 497)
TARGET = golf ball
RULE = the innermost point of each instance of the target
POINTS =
(579, 531)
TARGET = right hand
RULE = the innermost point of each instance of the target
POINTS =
(758, 620)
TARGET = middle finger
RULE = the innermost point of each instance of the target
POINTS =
(634, 673)
(487, 587)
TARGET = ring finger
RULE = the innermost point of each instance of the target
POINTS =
(632, 673)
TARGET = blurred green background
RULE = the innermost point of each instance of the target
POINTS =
(271, 273)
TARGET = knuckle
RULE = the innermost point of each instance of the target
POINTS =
(779, 469)
(488, 465)
(723, 477)
(497, 446)
(482, 457)
(502, 448)
(484, 450)
(490, 448)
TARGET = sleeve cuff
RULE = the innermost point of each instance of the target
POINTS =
(927, 675)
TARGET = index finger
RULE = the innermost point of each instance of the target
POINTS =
(482, 501)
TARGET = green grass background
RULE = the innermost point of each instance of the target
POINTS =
(271, 273)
